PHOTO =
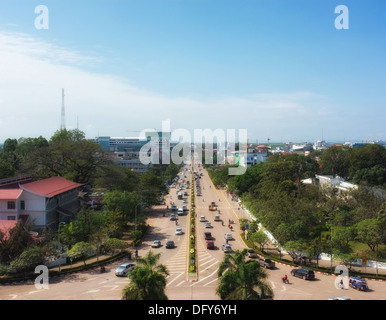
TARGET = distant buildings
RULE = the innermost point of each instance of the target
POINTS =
(335, 182)
(253, 156)
(126, 151)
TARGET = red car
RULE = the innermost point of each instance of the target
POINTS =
(210, 244)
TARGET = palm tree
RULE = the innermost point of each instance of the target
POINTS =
(239, 278)
(148, 279)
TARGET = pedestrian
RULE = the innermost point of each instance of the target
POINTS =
(136, 253)
(129, 255)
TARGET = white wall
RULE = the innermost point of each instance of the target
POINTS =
(34, 207)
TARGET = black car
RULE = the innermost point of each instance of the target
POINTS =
(170, 244)
(208, 236)
(303, 273)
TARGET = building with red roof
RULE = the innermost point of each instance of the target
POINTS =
(45, 203)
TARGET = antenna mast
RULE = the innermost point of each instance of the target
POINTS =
(63, 120)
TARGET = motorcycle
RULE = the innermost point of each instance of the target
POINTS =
(285, 280)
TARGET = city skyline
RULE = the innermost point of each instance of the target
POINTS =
(280, 69)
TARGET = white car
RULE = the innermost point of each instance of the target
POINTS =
(179, 231)
(123, 269)
(202, 218)
(227, 248)
(228, 236)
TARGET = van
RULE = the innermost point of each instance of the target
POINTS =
(303, 273)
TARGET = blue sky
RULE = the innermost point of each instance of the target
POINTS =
(279, 69)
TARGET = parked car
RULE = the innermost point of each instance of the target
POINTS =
(228, 236)
(170, 244)
(179, 231)
(251, 253)
(156, 244)
(173, 216)
(208, 224)
(174, 207)
(226, 248)
(123, 269)
(208, 235)
(217, 218)
(303, 273)
(180, 211)
(210, 245)
(266, 263)
(202, 218)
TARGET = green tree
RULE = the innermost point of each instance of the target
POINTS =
(371, 232)
(113, 244)
(368, 164)
(260, 238)
(147, 280)
(14, 243)
(127, 203)
(28, 259)
(81, 250)
(242, 280)
(76, 160)
(336, 161)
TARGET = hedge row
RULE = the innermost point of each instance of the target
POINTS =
(192, 234)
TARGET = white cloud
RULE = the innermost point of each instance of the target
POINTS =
(33, 73)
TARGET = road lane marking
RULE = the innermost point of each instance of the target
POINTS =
(215, 271)
(183, 281)
(214, 280)
(169, 283)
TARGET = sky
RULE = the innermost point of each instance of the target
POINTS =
(281, 69)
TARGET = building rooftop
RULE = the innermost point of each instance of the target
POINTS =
(10, 194)
(50, 187)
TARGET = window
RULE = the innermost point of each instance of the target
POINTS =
(11, 218)
(11, 205)
(22, 205)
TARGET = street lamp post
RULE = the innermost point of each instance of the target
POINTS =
(135, 221)
(60, 224)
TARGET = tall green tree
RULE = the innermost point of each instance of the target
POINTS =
(242, 280)
(147, 280)
(81, 250)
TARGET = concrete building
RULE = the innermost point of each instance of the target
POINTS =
(335, 182)
(126, 150)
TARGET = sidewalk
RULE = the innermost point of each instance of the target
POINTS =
(89, 263)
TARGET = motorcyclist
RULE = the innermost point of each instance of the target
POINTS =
(285, 279)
